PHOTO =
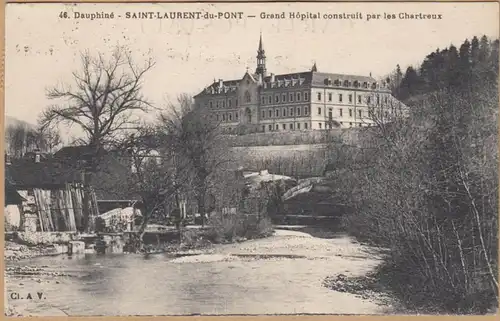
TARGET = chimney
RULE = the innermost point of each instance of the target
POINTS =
(272, 78)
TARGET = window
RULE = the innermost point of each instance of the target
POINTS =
(263, 114)
(236, 115)
(217, 117)
(298, 111)
(291, 126)
(386, 99)
(217, 104)
(211, 104)
(223, 104)
(306, 110)
(319, 96)
(306, 96)
(276, 113)
(277, 98)
(229, 103)
(319, 124)
(368, 100)
(305, 125)
(329, 96)
(270, 113)
(248, 98)
(359, 125)
(350, 112)
(350, 98)
(360, 113)
(291, 112)
(298, 126)
(298, 97)
(290, 96)
(277, 127)
(330, 114)
(340, 112)
(223, 117)
(284, 126)
(263, 100)
(378, 100)
(270, 127)
(270, 100)
(359, 99)
(283, 98)
(319, 110)
(230, 117)
(340, 98)
(236, 102)
(263, 128)
(284, 112)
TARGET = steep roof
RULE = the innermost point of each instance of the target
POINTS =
(307, 78)
(75, 152)
(26, 173)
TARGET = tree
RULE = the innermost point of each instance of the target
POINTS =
(196, 141)
(21, 139)
(102, 103)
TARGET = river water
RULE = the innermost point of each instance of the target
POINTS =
(233, 279)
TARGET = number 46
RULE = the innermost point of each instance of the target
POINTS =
(63, 15)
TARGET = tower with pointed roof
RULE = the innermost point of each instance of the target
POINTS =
(261, 60)
(304, 100)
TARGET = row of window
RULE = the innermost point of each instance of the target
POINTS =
(350, 98)
(284, 98)
(291, 97)
(286, 112)
(341, 112)
(330, 126)
(226, 117)
(222, 103)
(347, 83)
(284, 127)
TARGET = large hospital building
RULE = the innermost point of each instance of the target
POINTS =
(308, 100)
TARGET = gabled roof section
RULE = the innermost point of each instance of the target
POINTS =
(26, 173)
(220, 87)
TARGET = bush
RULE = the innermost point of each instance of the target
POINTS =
(429, 193)
(234, 227)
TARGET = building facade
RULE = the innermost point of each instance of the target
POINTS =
(310, 100)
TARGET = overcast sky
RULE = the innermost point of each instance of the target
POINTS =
(42, 50)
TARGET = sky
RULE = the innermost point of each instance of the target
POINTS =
(43, 49)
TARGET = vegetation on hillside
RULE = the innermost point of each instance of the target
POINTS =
(426, 186)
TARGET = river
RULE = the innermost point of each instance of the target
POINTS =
(282, 274)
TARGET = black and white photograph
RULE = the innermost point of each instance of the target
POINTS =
(251, 158)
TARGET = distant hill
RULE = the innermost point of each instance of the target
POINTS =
(12, 122)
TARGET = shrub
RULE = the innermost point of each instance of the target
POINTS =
(233, 227)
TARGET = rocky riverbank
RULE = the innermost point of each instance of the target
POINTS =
(15, 252)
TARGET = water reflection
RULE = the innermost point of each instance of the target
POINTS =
(154, 285)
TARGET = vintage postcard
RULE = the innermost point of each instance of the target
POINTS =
(251, 159)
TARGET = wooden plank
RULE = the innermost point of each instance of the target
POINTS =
(69, 209)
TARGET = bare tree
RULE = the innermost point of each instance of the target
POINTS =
(102, 102)
(196, 140)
